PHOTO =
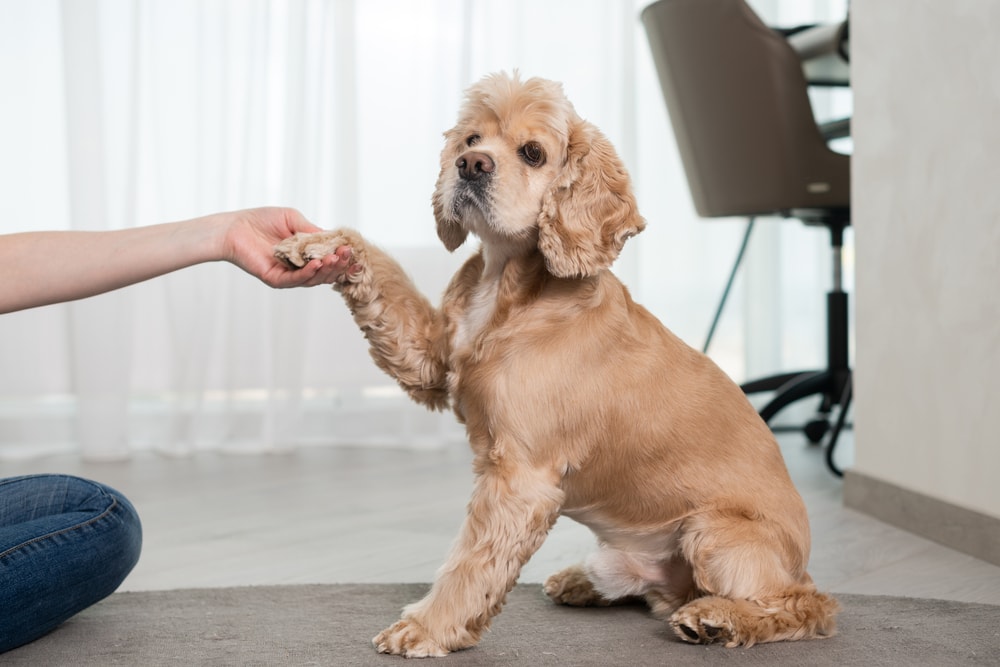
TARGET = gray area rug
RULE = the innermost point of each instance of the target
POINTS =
(333, 625)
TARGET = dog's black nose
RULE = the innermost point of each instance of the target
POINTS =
(473, 165)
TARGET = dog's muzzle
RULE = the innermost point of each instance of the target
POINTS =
(474, 185)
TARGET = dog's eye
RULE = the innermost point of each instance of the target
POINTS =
(533, 154)
(472, 140)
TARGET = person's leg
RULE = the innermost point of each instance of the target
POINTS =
(65, 543)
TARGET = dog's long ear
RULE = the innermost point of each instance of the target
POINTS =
(590, 211)
(449, 230)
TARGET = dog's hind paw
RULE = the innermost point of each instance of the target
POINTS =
(409, 639)
(702, 624)
(573, 587)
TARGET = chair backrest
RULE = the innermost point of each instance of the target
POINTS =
(740, 110)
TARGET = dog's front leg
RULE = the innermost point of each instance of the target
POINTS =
(509, 515)
(406, 333)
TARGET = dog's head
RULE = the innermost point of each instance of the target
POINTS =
(521, 169)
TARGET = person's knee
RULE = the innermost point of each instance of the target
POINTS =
(71, 560)
(126, 536)
(114, 539)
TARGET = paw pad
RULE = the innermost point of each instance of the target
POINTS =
(690, 632)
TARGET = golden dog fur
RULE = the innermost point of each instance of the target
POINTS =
(576, 400)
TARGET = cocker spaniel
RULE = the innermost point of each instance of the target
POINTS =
(576, 400)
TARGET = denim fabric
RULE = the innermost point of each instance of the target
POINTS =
(65, 543)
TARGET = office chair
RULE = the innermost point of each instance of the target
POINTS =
(737, 98)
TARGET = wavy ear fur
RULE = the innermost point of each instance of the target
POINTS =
(449, 230)
(451, 234)
(590, 211)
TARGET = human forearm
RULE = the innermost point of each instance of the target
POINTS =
(39, 268)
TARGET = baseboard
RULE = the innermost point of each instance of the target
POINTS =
(961, 529)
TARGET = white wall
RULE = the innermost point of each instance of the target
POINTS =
(926, 174)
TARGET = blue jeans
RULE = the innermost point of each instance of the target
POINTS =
(65, 543)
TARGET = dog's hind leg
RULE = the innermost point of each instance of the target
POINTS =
(752, 574)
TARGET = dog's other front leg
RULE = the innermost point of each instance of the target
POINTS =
(406, 334)
(511, 511)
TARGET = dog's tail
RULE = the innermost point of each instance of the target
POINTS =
(799, 613)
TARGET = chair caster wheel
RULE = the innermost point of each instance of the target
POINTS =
(816, 429)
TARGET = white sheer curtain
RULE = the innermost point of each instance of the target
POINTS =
(123, 112)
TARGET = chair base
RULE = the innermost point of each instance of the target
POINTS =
(832, 384)
(835, 390)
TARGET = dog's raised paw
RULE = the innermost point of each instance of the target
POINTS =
(289, 251)
(300, 249)
(409, 639)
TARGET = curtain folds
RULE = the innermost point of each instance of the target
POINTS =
(123, 112)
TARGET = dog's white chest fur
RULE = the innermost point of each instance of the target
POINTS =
(476, 317)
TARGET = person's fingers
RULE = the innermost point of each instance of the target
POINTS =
(329, 269)
(320, 272)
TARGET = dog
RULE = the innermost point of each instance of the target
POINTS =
(576, 400)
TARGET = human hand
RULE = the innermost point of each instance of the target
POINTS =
(249, 243)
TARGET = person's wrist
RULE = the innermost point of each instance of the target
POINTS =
(222, 227)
